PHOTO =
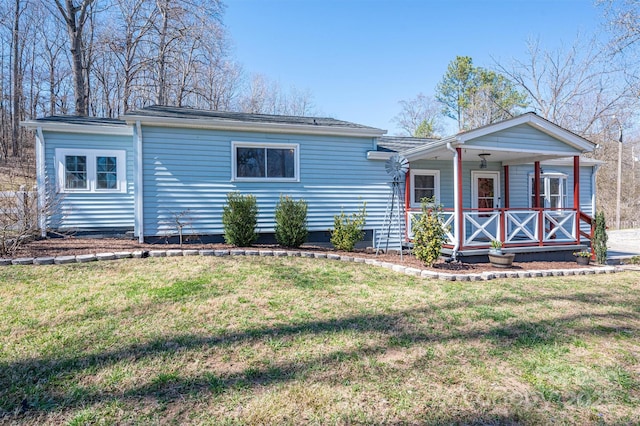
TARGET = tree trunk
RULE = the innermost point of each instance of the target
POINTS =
(17, 83)
(75, 18)
(161, 94)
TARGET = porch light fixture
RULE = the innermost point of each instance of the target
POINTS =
(483, 160)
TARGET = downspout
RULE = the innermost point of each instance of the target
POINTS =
(456, 204)
(138, 184)
(594, 170)
(40, 182)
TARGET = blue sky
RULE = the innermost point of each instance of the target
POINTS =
(359, 58)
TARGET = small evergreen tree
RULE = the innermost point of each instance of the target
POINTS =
(599, 243)
(429, 234)
(348, 230)
(291, 222)
(240, 218)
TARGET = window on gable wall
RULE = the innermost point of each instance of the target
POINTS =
(265, 162)
(553, 190)
(424, 184)
(91, 170)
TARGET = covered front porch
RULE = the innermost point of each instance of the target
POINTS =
(521, 182)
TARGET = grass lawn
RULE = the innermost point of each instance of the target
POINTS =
(292, 340)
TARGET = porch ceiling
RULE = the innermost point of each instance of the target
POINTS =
(470, 154)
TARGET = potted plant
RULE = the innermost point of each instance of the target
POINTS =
(496, 247)
(583, 257)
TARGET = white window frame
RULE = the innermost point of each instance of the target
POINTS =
(545, 187)
(92, 156)
(234, 165)
(423, 172)
(497, 189)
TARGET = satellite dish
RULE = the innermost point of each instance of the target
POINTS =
(397, 166)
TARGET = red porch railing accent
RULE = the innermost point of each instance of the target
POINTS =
(514, 227)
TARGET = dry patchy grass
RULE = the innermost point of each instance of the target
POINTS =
(300, 341)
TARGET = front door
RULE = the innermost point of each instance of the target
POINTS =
(485, 190)
(485, 194)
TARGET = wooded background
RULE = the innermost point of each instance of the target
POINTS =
(105, 57)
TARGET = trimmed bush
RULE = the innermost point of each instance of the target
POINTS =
(348, 230)
(240, 218)
(428, 233)
(599, 243)
(291, 222)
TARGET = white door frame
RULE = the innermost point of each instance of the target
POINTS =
(475, 174)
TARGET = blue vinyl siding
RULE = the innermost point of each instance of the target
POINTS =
(90, 211)
(519, 181)
(190, 170)
(523, 137)
(446, 178)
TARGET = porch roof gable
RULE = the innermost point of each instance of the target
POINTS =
(574, 144)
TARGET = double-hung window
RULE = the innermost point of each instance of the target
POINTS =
(424, 184)
(265, 162)
(89, 170)
(553, 190)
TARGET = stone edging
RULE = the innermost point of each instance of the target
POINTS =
(424, 273)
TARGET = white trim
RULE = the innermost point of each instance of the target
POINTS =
(226, 124)
(41, 183)
(423, 172)
(379, 155)
(91, 154)
(89, 128)
(475, 174)
(533, 120)
(265, 145)
(138, 184)
(557, 154)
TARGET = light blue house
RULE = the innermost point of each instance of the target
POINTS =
(521, 181)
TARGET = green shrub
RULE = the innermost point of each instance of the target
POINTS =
(240, 218)
(348, 230)
(429, 234)
(599, 243)
(291, 222)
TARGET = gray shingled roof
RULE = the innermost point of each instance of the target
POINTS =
(77, 119)
(402, 143)
(157, 111)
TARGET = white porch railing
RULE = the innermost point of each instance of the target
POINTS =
(559, 226)
(480, 227)
(448, 223)
(521, 226)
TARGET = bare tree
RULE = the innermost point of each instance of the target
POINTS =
(578, 87)
(420, 117)
(581, 88)
(75, 18)
(17, 80)
(265, 96)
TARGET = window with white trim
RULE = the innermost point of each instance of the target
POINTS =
(265, 162)
(553, 190)
(91, 170)
(424, 184)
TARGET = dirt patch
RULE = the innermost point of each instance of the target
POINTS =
(74, 246)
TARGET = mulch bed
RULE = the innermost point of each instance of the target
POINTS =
(74, 246)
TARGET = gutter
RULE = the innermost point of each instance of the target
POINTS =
(138, 182)
(594, 170)
(218, 124)
(40, 182)
(456, 206)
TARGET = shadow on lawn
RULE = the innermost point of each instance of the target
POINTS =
(32, 382)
